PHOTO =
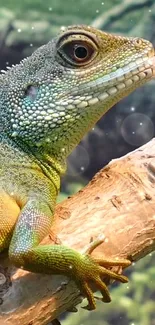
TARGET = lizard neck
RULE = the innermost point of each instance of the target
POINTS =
(31, 158)
(51, 166)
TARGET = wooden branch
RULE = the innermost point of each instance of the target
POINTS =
(120, 203)
(4, 35)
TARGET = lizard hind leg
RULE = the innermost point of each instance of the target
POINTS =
(33, 225)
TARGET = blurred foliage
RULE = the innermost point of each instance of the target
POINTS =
(38, 21)
(27, 24)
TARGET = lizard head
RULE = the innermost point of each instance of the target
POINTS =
(52, 98)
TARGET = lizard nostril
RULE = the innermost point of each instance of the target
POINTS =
(138, 41)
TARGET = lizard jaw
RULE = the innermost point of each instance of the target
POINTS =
(109, 86)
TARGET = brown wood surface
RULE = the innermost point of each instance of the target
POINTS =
(120, 203)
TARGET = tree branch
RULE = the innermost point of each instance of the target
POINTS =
(104, 20)
(120, 203)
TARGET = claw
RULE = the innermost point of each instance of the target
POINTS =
(87, 307)
(113, 275)
(87, 292)
(73, 309)
(95, 269)
(101, 299)
(55, 322)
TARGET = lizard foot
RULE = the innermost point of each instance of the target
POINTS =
(94, 269)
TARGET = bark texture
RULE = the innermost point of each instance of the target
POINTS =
(119, 202)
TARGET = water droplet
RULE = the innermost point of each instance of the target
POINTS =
(141, 194)
(19, 30)
(81, 161)
(101, 237)
(137, 129)
(62, 28)
(14, 134)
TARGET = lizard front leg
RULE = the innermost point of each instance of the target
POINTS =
(34, 223)
(9, 211)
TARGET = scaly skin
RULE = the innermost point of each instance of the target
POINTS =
(48, 102)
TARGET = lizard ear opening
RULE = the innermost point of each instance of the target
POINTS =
(31, 92)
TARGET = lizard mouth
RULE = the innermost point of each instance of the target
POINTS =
(133, 74)
(130, 77)
(117, 84)
(120, 83)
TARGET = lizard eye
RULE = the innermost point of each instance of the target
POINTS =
(80, 52)
(76, 51)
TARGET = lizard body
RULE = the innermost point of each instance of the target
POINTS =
(48, 102)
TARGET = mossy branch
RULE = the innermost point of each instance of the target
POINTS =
(104, 20)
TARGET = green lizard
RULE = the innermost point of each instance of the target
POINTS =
(48, 102)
